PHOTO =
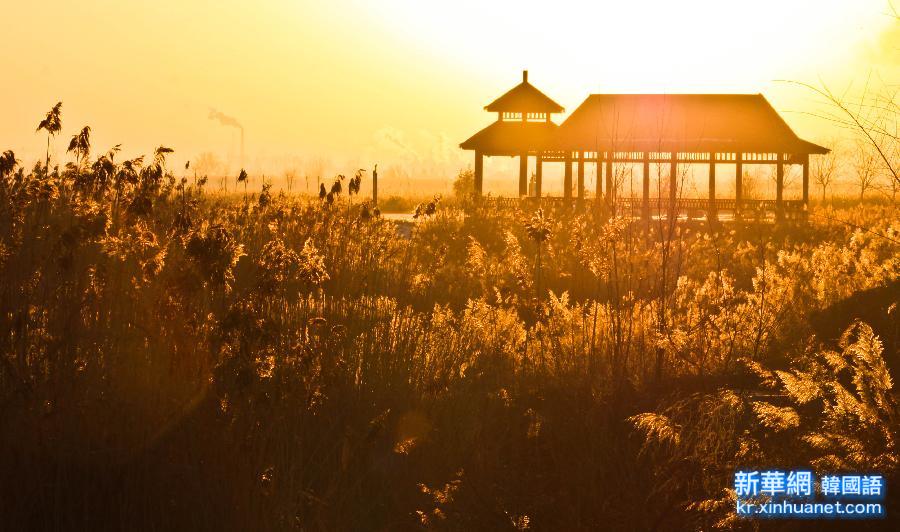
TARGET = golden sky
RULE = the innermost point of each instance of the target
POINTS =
(327, 86)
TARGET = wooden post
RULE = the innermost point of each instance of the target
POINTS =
(645, 199)
(581, 175)
(806, 181)
(673, 186)
(567, 177)
(375, 186)
(738, 183)
(779, 187)
(479, 172)
(523, 174)
(711, 213)
(538, 175)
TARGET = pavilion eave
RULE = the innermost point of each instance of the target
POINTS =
(514, 138)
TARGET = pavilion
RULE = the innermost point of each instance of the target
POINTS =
(669, 129)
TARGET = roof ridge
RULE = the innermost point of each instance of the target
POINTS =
(677, 94)
(524, 97)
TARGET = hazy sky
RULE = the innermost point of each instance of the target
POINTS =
(340, 83)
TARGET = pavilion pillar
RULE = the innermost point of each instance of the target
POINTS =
(523, 174)
(711, 213)
(581, 175)
(538, 175)
(479, 172)
(738, 183)
(567, 177)
(610, 183)
(806, 181)
(645, 198)
(779, 187)
(673, 186)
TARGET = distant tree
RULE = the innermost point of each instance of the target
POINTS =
(865, 168)
(750, 183)
(464, 184)
(789, 177)
(893, 186)
(207, 163)
(52, 124)
(289, 177)
(824, 168)
(873, 117)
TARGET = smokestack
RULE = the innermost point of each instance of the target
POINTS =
(524, 76)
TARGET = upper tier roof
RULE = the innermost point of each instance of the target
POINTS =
(680, 122)
(524, 98)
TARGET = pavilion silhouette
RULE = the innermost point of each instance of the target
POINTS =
(668, 129)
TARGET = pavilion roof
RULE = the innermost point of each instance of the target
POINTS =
(513, 137)
(524, 98)
(680, 122)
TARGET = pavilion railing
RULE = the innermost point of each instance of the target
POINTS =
(691, 207)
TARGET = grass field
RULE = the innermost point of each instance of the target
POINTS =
(174, 359)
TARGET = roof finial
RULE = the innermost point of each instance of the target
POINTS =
(524, 76)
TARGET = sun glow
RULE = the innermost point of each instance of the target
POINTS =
(643, 45)
(325, 86)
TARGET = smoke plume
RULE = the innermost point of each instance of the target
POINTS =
(226, 120)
